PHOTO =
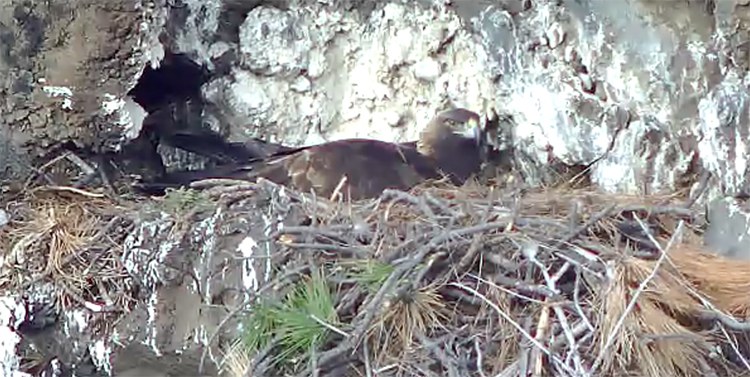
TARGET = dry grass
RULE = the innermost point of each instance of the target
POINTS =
(650, 337)
(724, 282)
(69, 239)
(412, 311)
(236, 360)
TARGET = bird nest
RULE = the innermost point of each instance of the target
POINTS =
(468, 281)
(473, 281)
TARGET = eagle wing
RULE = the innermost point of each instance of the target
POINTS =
(367, 167)
(356, 168)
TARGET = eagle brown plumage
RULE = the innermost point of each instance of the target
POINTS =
(452, 145)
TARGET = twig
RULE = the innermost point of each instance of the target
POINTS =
(593, 220)
(702, 186)
(474, 248)
(505, 281)
(660, 210)
(40, 171)
(480, 357)
(329, 233)
(373, 307)
(728, 321)
(420, 254)
(516, 368)
(69, 189)
(440, 353)
(647, 339)
(314, 363)
(515, 324)
(736, 348)
(366, 354)
(398, 195)
(440, 205)
(542, 327)
(329, 326)
(262, 360)
(83, 165)
(574, 217)
(577, 301)
(360, 252)
(557, 276)
(577, 330)
(228, 190)
(214, 182)
(563, 320)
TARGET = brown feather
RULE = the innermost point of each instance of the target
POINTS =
(370, 166)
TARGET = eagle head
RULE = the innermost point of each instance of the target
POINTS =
(455, 126)
(458, 141)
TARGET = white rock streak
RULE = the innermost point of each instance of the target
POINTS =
(249, 274)
(12, 314)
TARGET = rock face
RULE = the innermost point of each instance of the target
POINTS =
(65, 67)
(648, 95)
(318, 72)
(729, 230)
(574, 68)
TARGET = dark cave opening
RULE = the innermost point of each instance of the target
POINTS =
(175, 128)
(177, 78)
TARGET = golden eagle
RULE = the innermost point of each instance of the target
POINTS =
(453, 145)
